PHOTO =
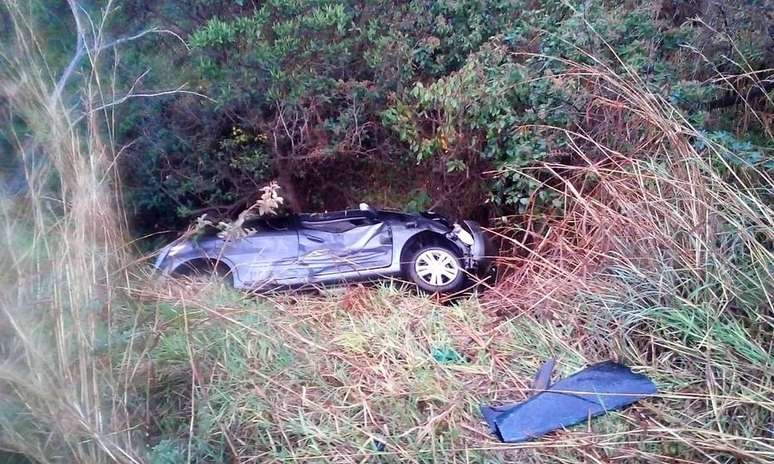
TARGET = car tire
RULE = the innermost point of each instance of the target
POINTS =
(436, 269)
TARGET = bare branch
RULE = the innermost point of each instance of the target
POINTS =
(154, 30)
(178, 90)
(81, 48)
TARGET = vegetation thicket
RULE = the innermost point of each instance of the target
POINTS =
(619, 150)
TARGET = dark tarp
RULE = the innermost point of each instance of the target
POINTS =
(591, 392)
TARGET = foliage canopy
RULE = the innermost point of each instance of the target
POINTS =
(411, 104)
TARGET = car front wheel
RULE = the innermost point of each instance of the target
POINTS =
(436, 270)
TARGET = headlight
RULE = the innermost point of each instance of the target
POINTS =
(463, 235)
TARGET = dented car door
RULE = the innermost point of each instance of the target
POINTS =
(344, 246)
(269, 257)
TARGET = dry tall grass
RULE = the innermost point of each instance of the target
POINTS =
(62, 250)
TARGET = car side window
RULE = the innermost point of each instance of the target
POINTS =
(268, 224)
(338, 226)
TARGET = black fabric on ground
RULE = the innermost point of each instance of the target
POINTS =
(591, 392)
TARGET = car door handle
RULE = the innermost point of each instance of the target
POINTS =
(314, 238)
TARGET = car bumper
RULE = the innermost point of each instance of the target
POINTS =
(479, 258)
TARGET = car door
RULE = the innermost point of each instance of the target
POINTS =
(329, 248)
(268, 256)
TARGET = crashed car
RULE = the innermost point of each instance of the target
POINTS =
(436, 254)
